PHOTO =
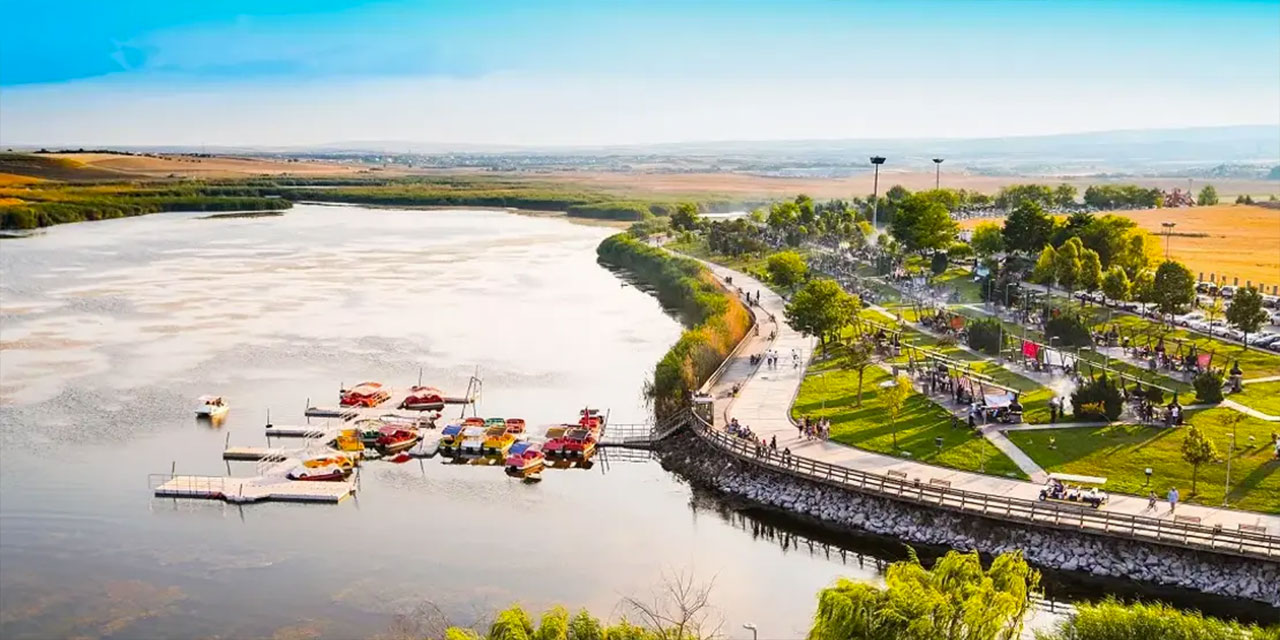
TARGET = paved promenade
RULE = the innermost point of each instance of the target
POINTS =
(765, 397)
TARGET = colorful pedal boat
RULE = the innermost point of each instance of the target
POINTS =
(327, 473)
(515, 426)
(579, 443)
(525, 457)
(397, 441)
(423, 399)
(365, 394)
(497, 440)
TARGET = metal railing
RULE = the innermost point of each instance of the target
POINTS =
(1242, 542)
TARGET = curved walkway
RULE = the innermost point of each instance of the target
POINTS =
(765, 397)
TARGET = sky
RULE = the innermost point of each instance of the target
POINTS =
(604, 72)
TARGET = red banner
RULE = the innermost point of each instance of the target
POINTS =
(1030, 349)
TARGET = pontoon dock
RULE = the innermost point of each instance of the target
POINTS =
(258, 489)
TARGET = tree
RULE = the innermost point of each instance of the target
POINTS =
(1045, 271)
(1115, 285)
(922, 224)
(786, 269)
(680, 609)
(859, 354)
(821, 308)
(1144, 289)
(1213, 312)
(1197, 450)
(1173, 287)
(955, 600)
(894, 398)
(1114, 620)
(685, 217)
(1028, 228)
(1139, 252)
(783, 216)
(1208, 195)
(1090, 270)
(1064, 195)
(1246, 312)
(1066, 264)
(987, 239)
(938, 263)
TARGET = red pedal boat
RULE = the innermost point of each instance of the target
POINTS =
(423, 399)
(365, 394)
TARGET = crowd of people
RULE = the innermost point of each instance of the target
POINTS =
(809, 429)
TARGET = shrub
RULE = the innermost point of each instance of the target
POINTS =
(1098, 399)
(984, 336)
(1208, 385)
(938, 263)
(1070, 330)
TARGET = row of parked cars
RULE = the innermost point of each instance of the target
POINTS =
(1267, 338)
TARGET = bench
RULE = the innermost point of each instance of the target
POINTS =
(1187, 519)
(1253, 528)
(896, 474)
(940, 483)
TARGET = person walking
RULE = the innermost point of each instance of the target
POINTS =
(1173, 499)
(1151, 501)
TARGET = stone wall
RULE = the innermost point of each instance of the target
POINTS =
(689, 456)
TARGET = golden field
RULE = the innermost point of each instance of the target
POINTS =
(1239, 241)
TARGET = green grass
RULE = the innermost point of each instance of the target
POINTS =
(961, 280)
(1262, 396)
(830, 391)
(1121, 452)
(752, 264)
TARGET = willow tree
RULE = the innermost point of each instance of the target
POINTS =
(955, 600)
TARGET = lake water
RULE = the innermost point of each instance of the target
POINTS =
(110, 330)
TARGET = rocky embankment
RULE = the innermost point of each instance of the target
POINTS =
(1230, 576)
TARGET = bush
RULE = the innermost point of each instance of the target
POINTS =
(984, 336)
(1208, 385)
(1098, 399)
(1112, 620)
(1070, 330)
(938, 263)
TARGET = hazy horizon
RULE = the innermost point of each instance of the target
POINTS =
(567, 74)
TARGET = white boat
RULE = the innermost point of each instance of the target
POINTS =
(211, 407)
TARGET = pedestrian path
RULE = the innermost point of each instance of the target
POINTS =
(764, 401)
(1249, 411)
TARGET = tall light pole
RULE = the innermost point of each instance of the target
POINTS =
(937, 173)
(1168, 232)
(875, 191)
(752, 628)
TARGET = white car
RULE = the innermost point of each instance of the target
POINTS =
(1227, 291)
(1185, 319)
(1199, 325)
(1263, 338)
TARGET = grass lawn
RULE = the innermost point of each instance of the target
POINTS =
(1120, 453)
(960, 279)
(1262, 396)
(830, 391)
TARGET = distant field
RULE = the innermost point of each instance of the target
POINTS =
(84, 167)
(1242, 241)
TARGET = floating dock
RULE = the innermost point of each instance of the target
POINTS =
(254, 454)
(243, 490)
(301, 431)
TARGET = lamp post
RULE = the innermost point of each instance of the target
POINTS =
(876, 161)
(752, 627)
(937, 173)
(1168, 232)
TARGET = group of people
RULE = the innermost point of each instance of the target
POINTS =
(819, 429)
(740, 430)
(1158, 359)
(1056, 490)
(771, 358)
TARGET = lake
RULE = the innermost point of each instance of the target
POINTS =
(110, 330)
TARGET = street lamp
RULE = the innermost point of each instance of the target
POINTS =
(752, 627)
(937, 172)
(875, 190)
(1168, 231)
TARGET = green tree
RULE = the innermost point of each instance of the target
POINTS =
(1208, 195)
(1045, 271)
(1114, 620)
(1027, 228)
(1115, 284)
(1144, 289)
(1173, 287)
(1213, 311)
(554, 625)
(783, 216)
(987, 239)
(821, 308)
(1064, 195)
(1197, 450)
(786, 269)
(955, 600)
(685, 217)
(1066, 264)
(859, 354)
(894, 398)
(584, 626)
(1246, 312)
(922, 224)
(511, 624)
(1090, 270)
(1139, 252)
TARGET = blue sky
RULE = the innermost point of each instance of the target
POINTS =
(606, 72)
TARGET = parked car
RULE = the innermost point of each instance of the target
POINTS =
(1263, 338)
(1186, 319)
(1270, 301)
(1227, 291)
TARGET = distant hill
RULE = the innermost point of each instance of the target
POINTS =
(47, 167)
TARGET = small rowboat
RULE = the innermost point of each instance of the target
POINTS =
(396, 441)
(211, 407)
(329, 473)
(423, 399)
(525, 457)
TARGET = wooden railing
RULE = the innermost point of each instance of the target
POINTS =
(1245, 541)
